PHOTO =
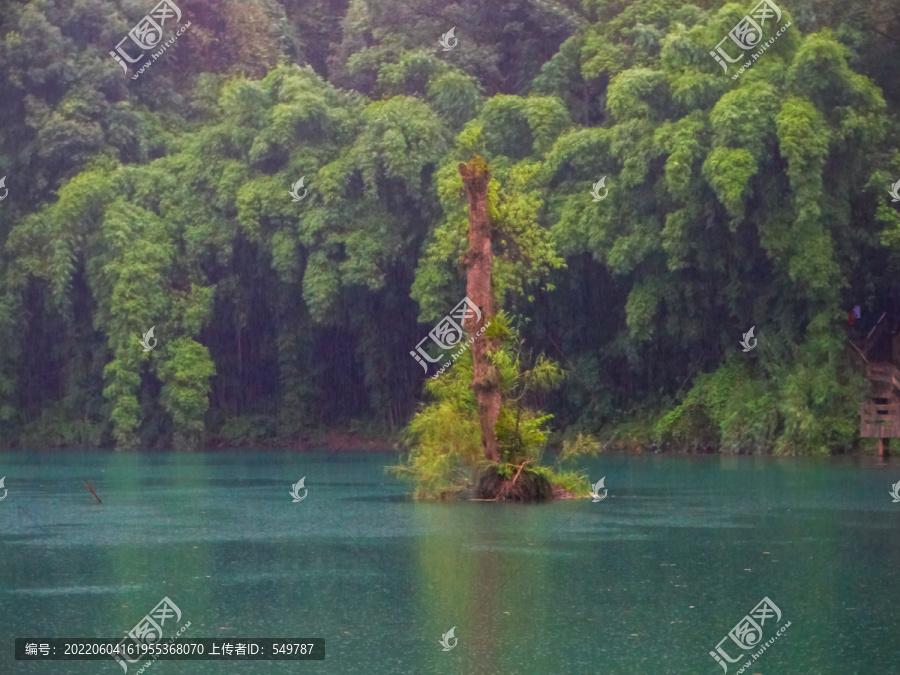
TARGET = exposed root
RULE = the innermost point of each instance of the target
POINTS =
(525, 486)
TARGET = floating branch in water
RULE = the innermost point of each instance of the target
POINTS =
(89, 487)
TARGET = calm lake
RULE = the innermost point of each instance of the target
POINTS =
(648, 580)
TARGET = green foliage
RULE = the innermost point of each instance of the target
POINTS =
(730, 205)
(580, 445)
(247, 430)
(740, 412)
(524, 253)
(455, 96)
(445, 436)
(57, 427)
(517, 127)
(185, 376)
(729, 172)
(164, 202)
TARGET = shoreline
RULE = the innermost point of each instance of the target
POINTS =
(355, 441)
(332, 441)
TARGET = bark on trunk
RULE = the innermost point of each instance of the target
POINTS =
(479, 264)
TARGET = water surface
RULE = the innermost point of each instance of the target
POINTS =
(647, 581)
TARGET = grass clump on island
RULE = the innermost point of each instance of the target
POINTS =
(447, 458)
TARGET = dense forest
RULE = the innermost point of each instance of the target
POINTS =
(750, 193)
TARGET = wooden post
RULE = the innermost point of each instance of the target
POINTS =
(479, 265)
(884, 445)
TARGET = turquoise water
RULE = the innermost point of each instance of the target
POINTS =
(648, 580)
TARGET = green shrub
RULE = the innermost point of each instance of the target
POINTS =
(447, 454)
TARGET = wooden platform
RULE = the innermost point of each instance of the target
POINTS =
(879, 416)
(880, 420)
(884, 374)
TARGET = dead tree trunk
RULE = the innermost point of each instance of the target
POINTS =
(479, 265)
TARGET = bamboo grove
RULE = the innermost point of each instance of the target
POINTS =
(165, 202)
